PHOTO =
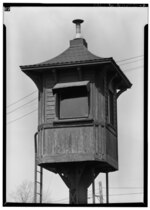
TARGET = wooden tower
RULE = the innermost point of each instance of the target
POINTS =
(77, 112)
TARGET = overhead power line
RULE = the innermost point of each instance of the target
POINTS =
(119, 194)
(124, 188)
(133, 68)
(131, 62)
(31, 112)
(129, 58)
(22, 116)
(118, 188)
(21, 106)
(63, 199)
(36, 90)
(22, 98)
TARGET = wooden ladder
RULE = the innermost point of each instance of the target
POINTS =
(38, 176)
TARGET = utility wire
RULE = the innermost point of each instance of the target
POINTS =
(131, 62)
(31, 112)
(36, 91)
(124, 188)
(22, 98)
(22, 116)
(116, 61)
(132, 68)
(129, 58)
(110, 194)
(124, 194)
(63, 199)
(118, 194)
(22, 106)
(119, 188)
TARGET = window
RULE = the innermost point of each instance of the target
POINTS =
(72, 100)
(110, 112)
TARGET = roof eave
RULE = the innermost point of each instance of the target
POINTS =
(126, 81)
(65, 65)
(41, 68)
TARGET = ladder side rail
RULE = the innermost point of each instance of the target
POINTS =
(35, 172)
(41, 183)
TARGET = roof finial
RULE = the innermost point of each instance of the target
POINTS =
(78, 28)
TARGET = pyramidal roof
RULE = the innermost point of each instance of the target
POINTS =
(77, 52)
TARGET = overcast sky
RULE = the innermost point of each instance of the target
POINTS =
(36, 34)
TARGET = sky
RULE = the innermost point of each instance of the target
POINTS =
(36, 34)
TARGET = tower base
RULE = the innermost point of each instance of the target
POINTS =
(78, 177)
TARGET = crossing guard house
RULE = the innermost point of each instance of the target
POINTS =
(77, 115)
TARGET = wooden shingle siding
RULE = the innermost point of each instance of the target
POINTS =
(49, 106)
(49, 98)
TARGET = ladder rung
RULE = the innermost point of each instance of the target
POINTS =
(38, 182)
(38, 193)
(39, 171)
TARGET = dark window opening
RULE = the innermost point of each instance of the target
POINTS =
(73, 102)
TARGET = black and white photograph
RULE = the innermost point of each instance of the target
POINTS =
(75, 94)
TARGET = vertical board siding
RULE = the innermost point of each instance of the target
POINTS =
(40, 146)
(112, 146)
(115, 111)
(41, 107)
(65, 76)
(68, 140)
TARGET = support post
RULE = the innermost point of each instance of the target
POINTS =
(78, 195)
(35, 173)
(78, 190)
(41, 183)
(78, 177)
(100, 192)
(107, 188)
(93, 188)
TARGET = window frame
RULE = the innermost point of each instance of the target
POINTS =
(58, 90)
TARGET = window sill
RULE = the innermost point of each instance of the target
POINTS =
(73, 121)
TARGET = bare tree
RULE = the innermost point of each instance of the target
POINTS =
(25, 193)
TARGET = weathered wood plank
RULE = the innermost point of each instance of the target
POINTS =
(111, 145)
(50, 116)
(50, 103)
(65, 76)
(70, 140)
(67, 158)
(50, 107)
(49, 94)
